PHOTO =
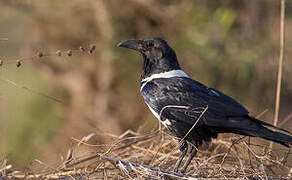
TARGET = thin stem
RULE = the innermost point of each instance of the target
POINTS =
(281, 57)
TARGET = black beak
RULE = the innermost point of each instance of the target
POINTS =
(135, 44)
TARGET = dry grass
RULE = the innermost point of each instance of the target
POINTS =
(153, 156)
(280, 66)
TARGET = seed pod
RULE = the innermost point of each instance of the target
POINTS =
(81, 49)
(69, 52)
(92, 48)
(40, 54)
(1, 62)
(58, 53)
(18, 63)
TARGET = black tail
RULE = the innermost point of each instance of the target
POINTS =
(272, 133)
(249, 126)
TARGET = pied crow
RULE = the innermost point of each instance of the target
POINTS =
(189, 109)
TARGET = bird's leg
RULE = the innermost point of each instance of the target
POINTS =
(192, 153)
(183, 147)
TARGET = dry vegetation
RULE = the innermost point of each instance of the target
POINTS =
(132, 155)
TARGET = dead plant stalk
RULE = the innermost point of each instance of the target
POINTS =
(281, 57)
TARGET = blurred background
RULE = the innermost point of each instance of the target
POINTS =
(231, 45)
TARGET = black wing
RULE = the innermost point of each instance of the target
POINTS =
(184, 99)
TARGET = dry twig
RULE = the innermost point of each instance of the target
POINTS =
(281, 57)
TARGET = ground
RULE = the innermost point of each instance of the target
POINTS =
(153, 156)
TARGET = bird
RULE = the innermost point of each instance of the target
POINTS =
(192, 111)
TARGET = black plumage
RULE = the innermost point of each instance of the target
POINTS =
(183, 104)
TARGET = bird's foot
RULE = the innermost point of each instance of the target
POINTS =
(192, 153)
(184, 149)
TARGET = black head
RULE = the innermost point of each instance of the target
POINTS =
(158, 56)
(152, 48)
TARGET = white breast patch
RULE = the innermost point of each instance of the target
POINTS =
(166, 122)
(168, 74)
